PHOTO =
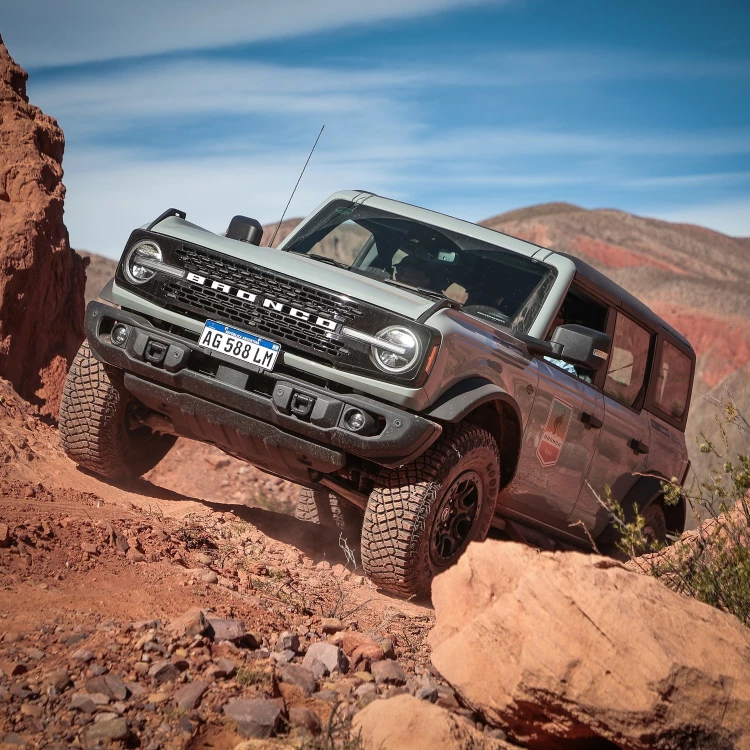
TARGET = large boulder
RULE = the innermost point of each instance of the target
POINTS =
(42, 280)
(567, 647)
(406, 723)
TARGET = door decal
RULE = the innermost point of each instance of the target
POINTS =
(555, 431)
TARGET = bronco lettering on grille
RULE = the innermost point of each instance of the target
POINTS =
(267, 302)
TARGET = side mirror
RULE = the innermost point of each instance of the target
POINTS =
(245, 229)
(580, 345)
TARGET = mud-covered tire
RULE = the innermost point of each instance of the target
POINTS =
(406, 514)
(655, 523)
(93, 423)
(327, 509)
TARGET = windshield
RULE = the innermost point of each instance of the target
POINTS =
(496, 285)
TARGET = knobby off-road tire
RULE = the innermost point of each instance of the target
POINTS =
(407, 526)
(93, 422)
(655, 523)
(327, 509)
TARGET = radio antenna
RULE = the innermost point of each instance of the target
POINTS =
(270, 244)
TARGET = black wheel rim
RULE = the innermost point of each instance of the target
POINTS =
(455, 518)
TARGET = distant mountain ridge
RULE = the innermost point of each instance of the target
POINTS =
(695, 278)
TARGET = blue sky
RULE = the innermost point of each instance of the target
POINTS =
(468, 107)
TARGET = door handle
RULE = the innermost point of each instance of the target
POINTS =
(590, 422)
(638, 446)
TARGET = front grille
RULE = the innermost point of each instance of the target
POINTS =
(262, 281)
(202, 302)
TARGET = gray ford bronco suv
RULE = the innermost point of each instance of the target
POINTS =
(423, 377)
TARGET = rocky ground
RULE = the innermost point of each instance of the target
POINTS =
(143, 615)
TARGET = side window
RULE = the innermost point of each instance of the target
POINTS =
(628, 361)
(672, 381)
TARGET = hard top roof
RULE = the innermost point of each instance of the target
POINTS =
(620, 297)
(600, 283)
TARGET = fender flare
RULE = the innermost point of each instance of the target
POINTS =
(503, 422)
(642, 494)
(463, 397)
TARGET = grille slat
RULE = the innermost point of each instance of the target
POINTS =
(261, 281)
(202, 302)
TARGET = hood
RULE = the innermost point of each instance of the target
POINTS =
(338, 280)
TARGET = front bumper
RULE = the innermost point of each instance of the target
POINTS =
(208, 396)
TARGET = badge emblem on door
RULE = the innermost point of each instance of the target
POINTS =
(555, 432)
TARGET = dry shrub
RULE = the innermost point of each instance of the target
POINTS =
(712, 563)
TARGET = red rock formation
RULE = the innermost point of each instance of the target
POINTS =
(41, 279)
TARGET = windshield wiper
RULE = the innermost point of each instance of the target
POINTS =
(326, 259)
(497, 316)
(421, 290)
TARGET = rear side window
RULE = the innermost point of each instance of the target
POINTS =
(672, 382)
(628, 361)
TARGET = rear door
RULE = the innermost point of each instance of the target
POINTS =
(668, 402)
(621, 454)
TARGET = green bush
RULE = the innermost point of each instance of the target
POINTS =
(712, 563)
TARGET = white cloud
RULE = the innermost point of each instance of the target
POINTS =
(144, 91)
(117, 192)
(686, 180)
(373, 115)
(554, 67)
(377, 137)
(62, 32)
(539, 140)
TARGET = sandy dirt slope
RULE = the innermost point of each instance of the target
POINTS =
(79, 555)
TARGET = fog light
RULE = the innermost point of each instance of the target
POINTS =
(119, 335)
(354, 420)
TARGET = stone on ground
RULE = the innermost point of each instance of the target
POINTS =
(361, 649)
(294, 674)
(388, 672)
(405, 722)
(226, 630)
(192, 623)
(555, 647)
(304, 718)
(112, 729)
(110, 685)
(254, 717)
(330, 656)
(189, 696)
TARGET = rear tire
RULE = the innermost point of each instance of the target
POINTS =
(421, 517)
(94, 423)
(326, 509)
(655, 524)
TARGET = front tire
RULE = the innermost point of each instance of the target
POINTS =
(94, 422)
(422, 516)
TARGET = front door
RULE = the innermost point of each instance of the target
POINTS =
(556, 450)
(621, 455)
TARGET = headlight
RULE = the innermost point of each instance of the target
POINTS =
(401, 355)
(141, 260)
